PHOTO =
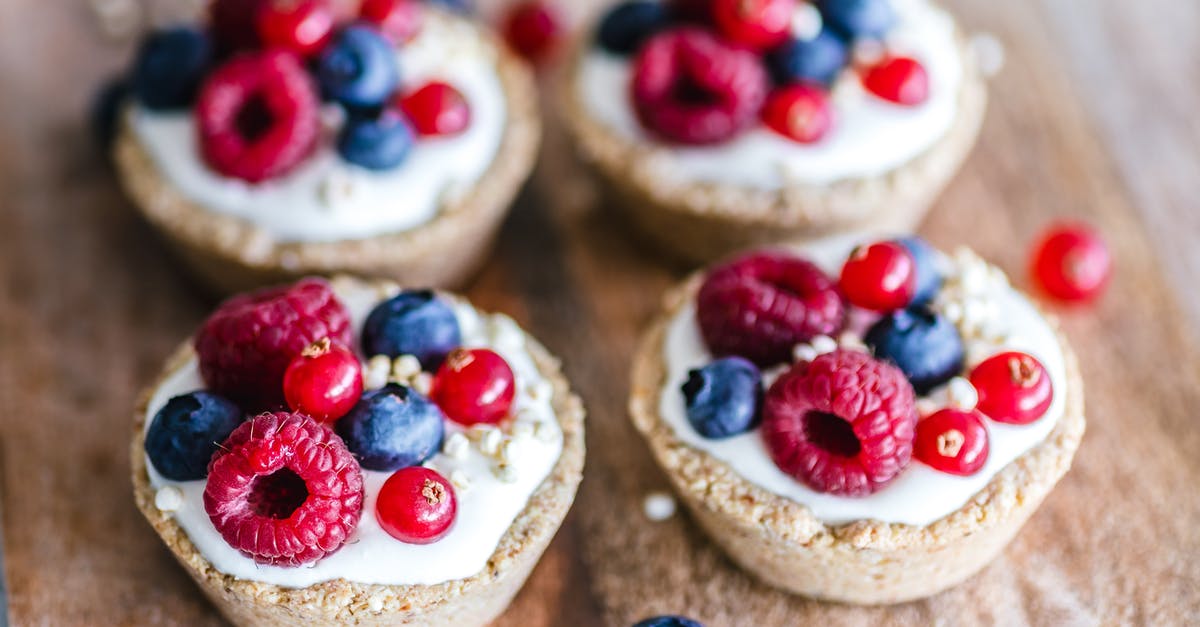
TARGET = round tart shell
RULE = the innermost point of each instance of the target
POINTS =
(865, 562)
(476, 600)
(232, 254)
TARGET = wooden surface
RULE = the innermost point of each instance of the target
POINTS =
(1094, 116)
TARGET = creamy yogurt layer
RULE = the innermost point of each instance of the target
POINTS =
(328, 199)
(486, 509)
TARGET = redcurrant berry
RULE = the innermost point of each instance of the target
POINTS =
(1013, 387)
(756, 24)
(416, 505)
(302, 26)
(800, 112)
(398, 20)
(1071, 263)
(323, 381)
(474, 386)
(901, 80)
(879, 277)
(436, 108)
(952, 441)
(532, 28)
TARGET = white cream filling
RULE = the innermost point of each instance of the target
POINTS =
(920, 495)
(326, 198)
(486, 508)
(870, 136)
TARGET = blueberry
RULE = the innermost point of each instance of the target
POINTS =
(929, 279)
(668, 621)
(723, 398)
(392, 428)
(380, 143)
(170, 66)
(185, 433)
(628, 24)
(924, 345)
(855, 19)
(818, 60)
(105, 112)
(359, 69)
(413, 322)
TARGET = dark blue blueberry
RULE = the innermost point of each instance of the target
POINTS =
(106, 110)
(855, 19)
(185, 433)
(929, 279)
(627, 25)
(924, 345)
(416, 323)
(668, 621)
(380, 143)
(723, 398)
(460, 6)
(359, 69)
(818, 60)
(170, 66)
(392, 428)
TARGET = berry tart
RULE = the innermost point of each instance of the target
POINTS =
(719, 125)
(356, 454)
(867, 424)
(282, 138)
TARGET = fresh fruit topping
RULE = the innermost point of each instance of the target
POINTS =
(1071, 262)
(105, 111)
(323, 381)
(952, 441)
(854, 19)
(532, 28)
(879, 277)
(245, 346)
(692, 88)
(723, 397)
(283, 490)
(762, 305)
(391, 428)
(302, 26)
(258, 116)
(626, 26)
(415, 322)
(436, 108)
(800, 112)
(929, 277)
(901, 80)
(842, 423)
(376, 143)
(474, 386)
(1013, 387)
(170, 66)
(398, 20)
(756, 24)
(817, 60)
(184, 434)
(359, 69)
(416, 505)
(922, 344)
(668, 621)
(459, 6)
(234, 23)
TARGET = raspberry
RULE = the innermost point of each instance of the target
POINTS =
(245, 346)
(762, 305)
(283, 490)
(842, 423)
(690, 87)
(258, 116)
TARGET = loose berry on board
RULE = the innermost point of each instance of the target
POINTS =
(416, 505)
(817, 60)
(801, 112)
(392, 428)
(1013, 387)
(436, 109)
(382, 142)
(170, 66)
(1071, 262)
(723, 398)
(880, 277)
(359, 69)
(532, 28)
(323, 381)
(901, 80)
(474, 386)
(413, 322)
(628, 25)
(185, 433)
(756, 24)
(301, 26)
(925, 346)
(952, 441)
(398, 20)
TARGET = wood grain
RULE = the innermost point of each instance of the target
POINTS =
(1093, 117)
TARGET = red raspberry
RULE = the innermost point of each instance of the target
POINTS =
(245, 346)
(801, 112)
(690, 87)
(258, 116)
(757, 24)
(901, 80)
(952, 441)
(762, 305)
(283, 490)
(842, 423)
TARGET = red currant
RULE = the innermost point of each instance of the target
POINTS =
(1071, 262)
(436, 108)
(474, 386)
(879, 277)
(532, 28)
(756, 24)
(1013, 388)
(302, 26)
(323, 381)
(398, 20)
(800, 112)
(416, 505)
(952, 441)
(901, 80)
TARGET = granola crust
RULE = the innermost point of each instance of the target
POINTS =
(473, 601)
(232, 254)
(697, 222)
(865, 562)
